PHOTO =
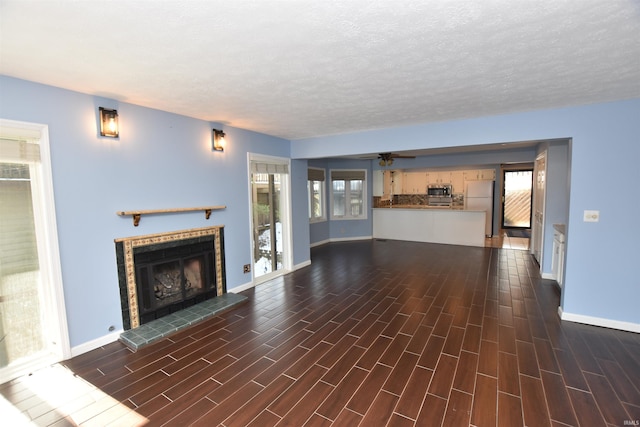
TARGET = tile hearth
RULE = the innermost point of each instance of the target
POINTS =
(160, 328)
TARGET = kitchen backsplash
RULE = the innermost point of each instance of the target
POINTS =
(412, 199)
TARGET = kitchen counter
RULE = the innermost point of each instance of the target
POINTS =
(420, 223)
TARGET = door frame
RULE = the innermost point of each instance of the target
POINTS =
(54, 310)
(539, 198)
(286, 216)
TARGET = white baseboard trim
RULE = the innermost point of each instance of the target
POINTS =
(241, 288)
(349, 239)
(599, 321)
(548, 276)
(339, 239)
(320, 243)
(250, 285)
(97, 343)
(302, 265)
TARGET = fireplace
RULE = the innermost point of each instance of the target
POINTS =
(163, 273)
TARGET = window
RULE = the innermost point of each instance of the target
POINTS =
(315, 189)
(348, 194)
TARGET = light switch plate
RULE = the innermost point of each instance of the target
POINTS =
(591, 216)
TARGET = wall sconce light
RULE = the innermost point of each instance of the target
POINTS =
(109, 123)
(218, 140)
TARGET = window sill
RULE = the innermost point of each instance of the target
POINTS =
(348, 218)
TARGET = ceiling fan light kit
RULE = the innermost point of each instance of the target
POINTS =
(386, 159)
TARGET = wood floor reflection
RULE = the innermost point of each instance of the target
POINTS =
(378, 333)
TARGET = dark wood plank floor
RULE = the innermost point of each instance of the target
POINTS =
(378, 333)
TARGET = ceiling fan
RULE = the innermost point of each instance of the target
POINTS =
(386, 159)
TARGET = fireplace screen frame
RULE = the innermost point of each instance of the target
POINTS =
(128, 247)
(170, 277)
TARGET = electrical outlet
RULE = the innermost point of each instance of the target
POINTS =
(246, 268)
(591, 216)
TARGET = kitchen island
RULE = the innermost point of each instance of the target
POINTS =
(430, 224)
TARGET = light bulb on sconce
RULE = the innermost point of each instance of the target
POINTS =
(113, 126)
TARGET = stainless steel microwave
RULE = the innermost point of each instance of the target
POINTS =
(439, 190)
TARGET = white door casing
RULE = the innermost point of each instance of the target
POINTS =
(55, 330)
(537, 232)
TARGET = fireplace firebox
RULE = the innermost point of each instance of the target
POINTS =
(172, 278)
(164, 273)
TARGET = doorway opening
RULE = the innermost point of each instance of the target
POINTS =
(271, 224)
(33, 328)
(517, 199)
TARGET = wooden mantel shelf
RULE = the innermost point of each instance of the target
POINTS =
(136, 215)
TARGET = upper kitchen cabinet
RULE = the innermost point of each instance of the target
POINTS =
(408, 182)
(392, 183)
(488, 174)
(439, 177)
(480, 175)
(414, 183)
(457, 182)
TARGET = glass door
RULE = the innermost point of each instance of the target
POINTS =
(20, 321)
(31, 309)
(517, 198)
(270, 221)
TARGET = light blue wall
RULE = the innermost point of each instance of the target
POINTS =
(601, 279)
(557, 194)
(320, 232)
(459, 161)
(300, 210)
(161, 160)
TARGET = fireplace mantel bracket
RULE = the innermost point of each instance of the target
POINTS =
(136, 215)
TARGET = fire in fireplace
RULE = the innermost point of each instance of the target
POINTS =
(163, 273)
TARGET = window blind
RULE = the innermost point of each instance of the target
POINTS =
(261, 167)
(315, 174)
(12, 151)
(347, 174)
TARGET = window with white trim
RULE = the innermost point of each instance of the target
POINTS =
(316, 195)
(348, 194)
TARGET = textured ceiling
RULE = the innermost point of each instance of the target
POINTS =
(299, 69)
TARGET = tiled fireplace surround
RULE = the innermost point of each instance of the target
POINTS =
(137, 335)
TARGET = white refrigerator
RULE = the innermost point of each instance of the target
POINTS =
(478, 196)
